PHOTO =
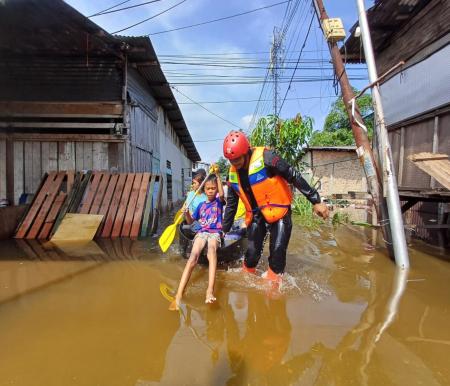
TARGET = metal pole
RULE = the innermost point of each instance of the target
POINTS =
(393, 201)
(364, 150)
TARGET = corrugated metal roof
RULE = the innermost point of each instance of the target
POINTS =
(49, 28)
(385, 18)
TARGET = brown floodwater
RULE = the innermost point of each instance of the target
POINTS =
(93, 314)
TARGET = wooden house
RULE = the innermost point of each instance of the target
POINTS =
(416, 98)
(74, 97)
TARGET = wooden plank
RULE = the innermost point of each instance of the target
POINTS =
(2, 169)
(131, 207)
(76, 226)
(52, 109)
(66, 159)
(89, 198)
(10, 170)
(25, 247)
(427, 156)
(110, 218)
(100, 194)
(157, 211)
(53, 191)
(88, 156)
(148, 209)
(18, 171)
(118, 222)
(57, 137)
(28, 167)
(78, 197)
(104, 208)
(140, 206)
(35, 206)
(52, 215)
(70, 180)
(100, 156)
(49, 156)
(65, 207)
(36, 166)
(58, 125)
(79, 156)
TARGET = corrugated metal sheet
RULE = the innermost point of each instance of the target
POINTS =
(60, 79)
(420, 88)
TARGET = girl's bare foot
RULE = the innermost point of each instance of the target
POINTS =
(175, 305)
(210, 298)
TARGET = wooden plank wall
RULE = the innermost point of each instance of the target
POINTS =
(34, 158)
(429, 134)
(144, 139)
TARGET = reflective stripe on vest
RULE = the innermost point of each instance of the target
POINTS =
(272, 194)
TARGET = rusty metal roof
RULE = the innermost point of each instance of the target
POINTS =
(385, 18)
(49, 28)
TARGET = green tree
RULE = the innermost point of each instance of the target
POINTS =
(286, 137)
(224, 166)
(337, 130)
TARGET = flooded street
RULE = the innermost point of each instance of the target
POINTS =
(94, 315)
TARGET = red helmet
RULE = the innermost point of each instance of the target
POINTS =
(235, 145)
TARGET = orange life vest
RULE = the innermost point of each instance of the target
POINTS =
(272, 194)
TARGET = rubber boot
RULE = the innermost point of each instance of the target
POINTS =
(272, 276)
(247, 269)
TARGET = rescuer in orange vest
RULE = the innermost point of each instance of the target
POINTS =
(260, 178)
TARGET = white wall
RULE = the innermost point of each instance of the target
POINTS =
(171, 150)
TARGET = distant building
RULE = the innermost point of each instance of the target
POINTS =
(335, 170)
(74, 97)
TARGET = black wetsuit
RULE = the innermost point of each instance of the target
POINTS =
(280, 231)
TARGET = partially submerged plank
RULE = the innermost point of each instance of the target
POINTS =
(109, 222)
(100, 193)
(52, 215)
(131, 207)
(118, 222)
(157, 210)
(35, 206)
(40, 218)
(148, 207)
(93, 186)
(107, 200)
(140, 206)
(76, 226)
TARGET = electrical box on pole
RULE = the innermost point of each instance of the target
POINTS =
(333, 29)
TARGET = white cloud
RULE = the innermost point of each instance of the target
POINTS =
(246, 119)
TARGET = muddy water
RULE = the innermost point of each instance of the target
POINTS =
(94, 315)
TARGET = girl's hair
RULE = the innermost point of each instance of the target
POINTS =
(199, 178)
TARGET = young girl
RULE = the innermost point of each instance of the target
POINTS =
(200, 196)
(209, 216)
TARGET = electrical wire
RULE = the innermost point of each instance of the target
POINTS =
(255, 100)
(107, 9)
(219, 19)
(298, 61)
(125, 8)
(204, 108)
(149, 18)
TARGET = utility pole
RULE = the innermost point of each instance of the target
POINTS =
(393, 201)
(275, 63)
(364, 150)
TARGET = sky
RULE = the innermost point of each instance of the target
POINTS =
(233, 51)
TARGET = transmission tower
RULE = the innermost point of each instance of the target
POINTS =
(276, 56)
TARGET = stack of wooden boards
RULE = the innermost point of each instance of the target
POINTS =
(125, 200)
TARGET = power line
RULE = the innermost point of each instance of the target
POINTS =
(298, 61)
(204, 108)
(125, 8)
(107, 9)
(151, 17)
(256, 100)
(219, 19)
